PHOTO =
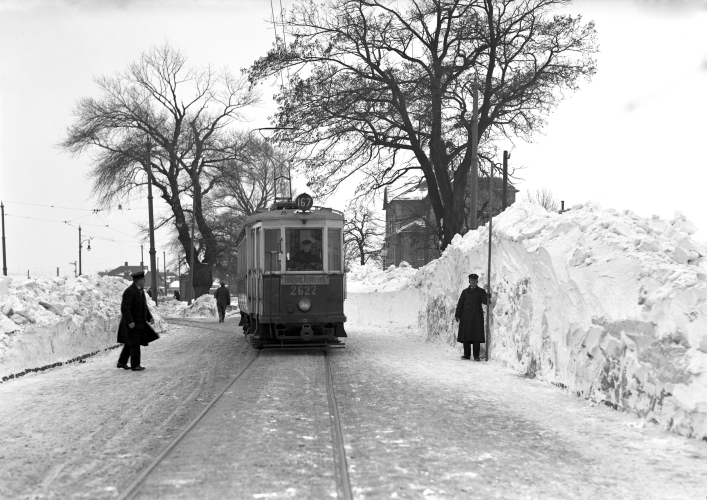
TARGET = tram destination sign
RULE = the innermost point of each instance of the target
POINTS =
(305, 279)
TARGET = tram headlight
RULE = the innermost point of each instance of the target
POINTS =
(304, 304)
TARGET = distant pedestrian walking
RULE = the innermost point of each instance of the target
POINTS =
(470, 316)
(176, 294)
(134, 330)
(223, 300)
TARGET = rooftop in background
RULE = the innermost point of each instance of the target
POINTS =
(126, 270)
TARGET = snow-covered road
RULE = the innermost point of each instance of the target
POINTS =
(418, 421)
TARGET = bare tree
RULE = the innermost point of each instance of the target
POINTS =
(389, 92)
(542, 197)
(247, 185)
(362, 232)
(187, 115)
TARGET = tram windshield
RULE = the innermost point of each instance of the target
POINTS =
(304, 249)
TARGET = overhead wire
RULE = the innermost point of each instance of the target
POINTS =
(94, 210)
(274, 27)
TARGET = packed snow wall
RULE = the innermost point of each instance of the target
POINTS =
(383, 308)
(608, 304)
(48, 320)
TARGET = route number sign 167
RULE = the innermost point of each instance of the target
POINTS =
(304, 201)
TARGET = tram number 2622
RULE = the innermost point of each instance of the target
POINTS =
(303, 290)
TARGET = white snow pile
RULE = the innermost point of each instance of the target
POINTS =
(371, 278)
(171, 307)
(202, 307)
(608, 304)
(49, 320)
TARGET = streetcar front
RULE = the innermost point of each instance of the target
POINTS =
(292, 281)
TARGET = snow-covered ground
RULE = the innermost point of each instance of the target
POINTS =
(608, 304)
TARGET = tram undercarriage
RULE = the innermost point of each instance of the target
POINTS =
(307, 335)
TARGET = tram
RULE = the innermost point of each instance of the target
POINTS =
(290, 279)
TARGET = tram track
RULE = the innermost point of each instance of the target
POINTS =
(341, 476)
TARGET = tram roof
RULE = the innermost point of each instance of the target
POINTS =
(315, 213)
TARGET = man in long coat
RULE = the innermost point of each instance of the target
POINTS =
(470, 316)
(133, 330)
(223, 300)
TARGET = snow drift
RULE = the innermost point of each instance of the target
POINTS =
(48, 320)
(202, 307)
(608, 304)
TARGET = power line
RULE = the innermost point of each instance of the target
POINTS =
(70, 221)
(52, 220)
(50, 206)
(94, 210)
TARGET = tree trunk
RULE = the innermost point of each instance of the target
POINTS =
(203, 279)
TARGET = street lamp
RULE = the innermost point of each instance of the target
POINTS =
(81, 242)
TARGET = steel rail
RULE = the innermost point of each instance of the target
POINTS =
(343, 485)
(131, 490)
(194, 323)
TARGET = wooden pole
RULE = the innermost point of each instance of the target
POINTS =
(505, 179)
(164, 266)
(4, 258)
(153, 256)
(79, 250)
(488, 274)
(474, 173)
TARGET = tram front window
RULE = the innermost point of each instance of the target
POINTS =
(304, 249)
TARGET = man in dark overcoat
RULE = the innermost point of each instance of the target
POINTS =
(134, 330)
(223, 300)
(470, 316)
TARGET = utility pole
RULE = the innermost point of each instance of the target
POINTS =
(153, 257)
(164, 266)
(4, 258)
(73, 264)
(191, 265)
(488, 274)
(142, 258)
(57, 272)
(81, 246)
(191, 242)
(474, 157)
(505, 179)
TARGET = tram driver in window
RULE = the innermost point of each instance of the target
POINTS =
(306, 259)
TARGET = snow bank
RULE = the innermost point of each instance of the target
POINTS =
(611, 305)
(48, 320)
(202, 307)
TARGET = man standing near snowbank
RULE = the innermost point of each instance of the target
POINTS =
(223, 300)
(470, 316)
(133, 330)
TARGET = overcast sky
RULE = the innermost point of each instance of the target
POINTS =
(633, 138)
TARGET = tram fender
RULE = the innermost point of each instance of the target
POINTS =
(340, 332)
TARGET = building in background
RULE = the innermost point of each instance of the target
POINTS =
(411, 227)
(126, 270)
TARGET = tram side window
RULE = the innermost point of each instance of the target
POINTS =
(272, 250)
(241, 259)
(334, 248)
(304, 249)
